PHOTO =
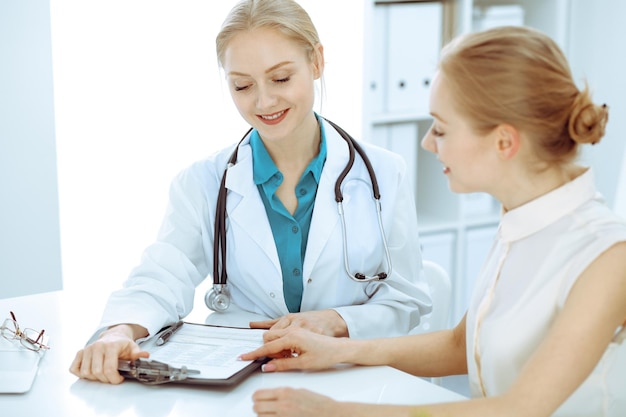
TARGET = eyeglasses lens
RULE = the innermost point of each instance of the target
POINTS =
(31, 339)
(9, 329)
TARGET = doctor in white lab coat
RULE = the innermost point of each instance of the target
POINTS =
(271, 55)
(161, 288)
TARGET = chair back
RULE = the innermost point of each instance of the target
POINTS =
(441, 295)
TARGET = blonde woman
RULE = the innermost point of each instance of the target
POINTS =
(283, 234)
(544, 332)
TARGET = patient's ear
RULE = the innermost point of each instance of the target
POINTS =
(507, 141)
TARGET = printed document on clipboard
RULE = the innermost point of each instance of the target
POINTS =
(197, 354)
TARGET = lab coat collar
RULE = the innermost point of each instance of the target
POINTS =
(245, 207)
(325, 216)
(240, 176)
(239, 179)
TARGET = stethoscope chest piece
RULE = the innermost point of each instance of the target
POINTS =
(218, 298)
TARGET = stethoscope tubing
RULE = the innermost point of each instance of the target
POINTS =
(360, 277)
(220, 275)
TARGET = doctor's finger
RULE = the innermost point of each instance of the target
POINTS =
(106, 368)
(83, 369)
(266, 324)
(274, 334)
(132, 351)
(108, 371)
(278, 330)
(76, 363)
(282, 323)
(102, 364)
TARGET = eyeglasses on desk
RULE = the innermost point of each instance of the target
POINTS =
(31, 339)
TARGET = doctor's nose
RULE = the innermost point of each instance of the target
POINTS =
(265, 99)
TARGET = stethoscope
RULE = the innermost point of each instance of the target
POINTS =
(218, 297)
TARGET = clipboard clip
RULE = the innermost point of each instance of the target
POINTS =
(153, 372)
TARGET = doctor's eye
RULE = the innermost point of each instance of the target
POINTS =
(241, 88)
(282, 80)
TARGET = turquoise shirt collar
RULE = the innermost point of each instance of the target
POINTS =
(264, 167)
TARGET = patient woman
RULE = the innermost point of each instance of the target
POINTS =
(544, 332)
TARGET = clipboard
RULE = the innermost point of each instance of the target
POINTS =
(196, 354)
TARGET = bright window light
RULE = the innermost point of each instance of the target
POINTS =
(139, 97)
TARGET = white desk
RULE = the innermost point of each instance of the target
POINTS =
(69, 320)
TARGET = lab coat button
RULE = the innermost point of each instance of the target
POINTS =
(310, 280)
(272, 295)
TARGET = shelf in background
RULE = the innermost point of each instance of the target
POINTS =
(390, 118)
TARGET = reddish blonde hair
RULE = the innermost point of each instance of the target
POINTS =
(519, 76)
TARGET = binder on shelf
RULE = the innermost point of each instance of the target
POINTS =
(199, 354)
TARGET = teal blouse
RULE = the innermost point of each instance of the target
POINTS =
(290, 232)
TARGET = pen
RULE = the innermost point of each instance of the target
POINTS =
(163, 337)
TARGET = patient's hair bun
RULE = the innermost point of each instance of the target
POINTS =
(587, 121)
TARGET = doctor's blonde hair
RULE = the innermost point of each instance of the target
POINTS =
(286, 16)
(519, 76)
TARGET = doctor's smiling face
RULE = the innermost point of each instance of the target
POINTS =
(468, 158)
(271, 80)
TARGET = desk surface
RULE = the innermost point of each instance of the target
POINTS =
(69, 320)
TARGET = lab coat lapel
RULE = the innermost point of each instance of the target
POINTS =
(325, 216)
(245, 207)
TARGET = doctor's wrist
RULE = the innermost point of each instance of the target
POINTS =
(338, 326)
(132, 331)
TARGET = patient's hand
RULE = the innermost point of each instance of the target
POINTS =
(300, 349)
(284, 402)
(326, 322)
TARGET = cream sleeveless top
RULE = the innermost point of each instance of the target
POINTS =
(540, 250)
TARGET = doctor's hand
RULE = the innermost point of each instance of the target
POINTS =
(300, 349)
(98, 361)
(327, 322)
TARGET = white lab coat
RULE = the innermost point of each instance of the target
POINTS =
(161, 288)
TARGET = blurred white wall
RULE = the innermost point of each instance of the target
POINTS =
(138, 97)
(620, 196)
(30, 253)
(597, 54)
